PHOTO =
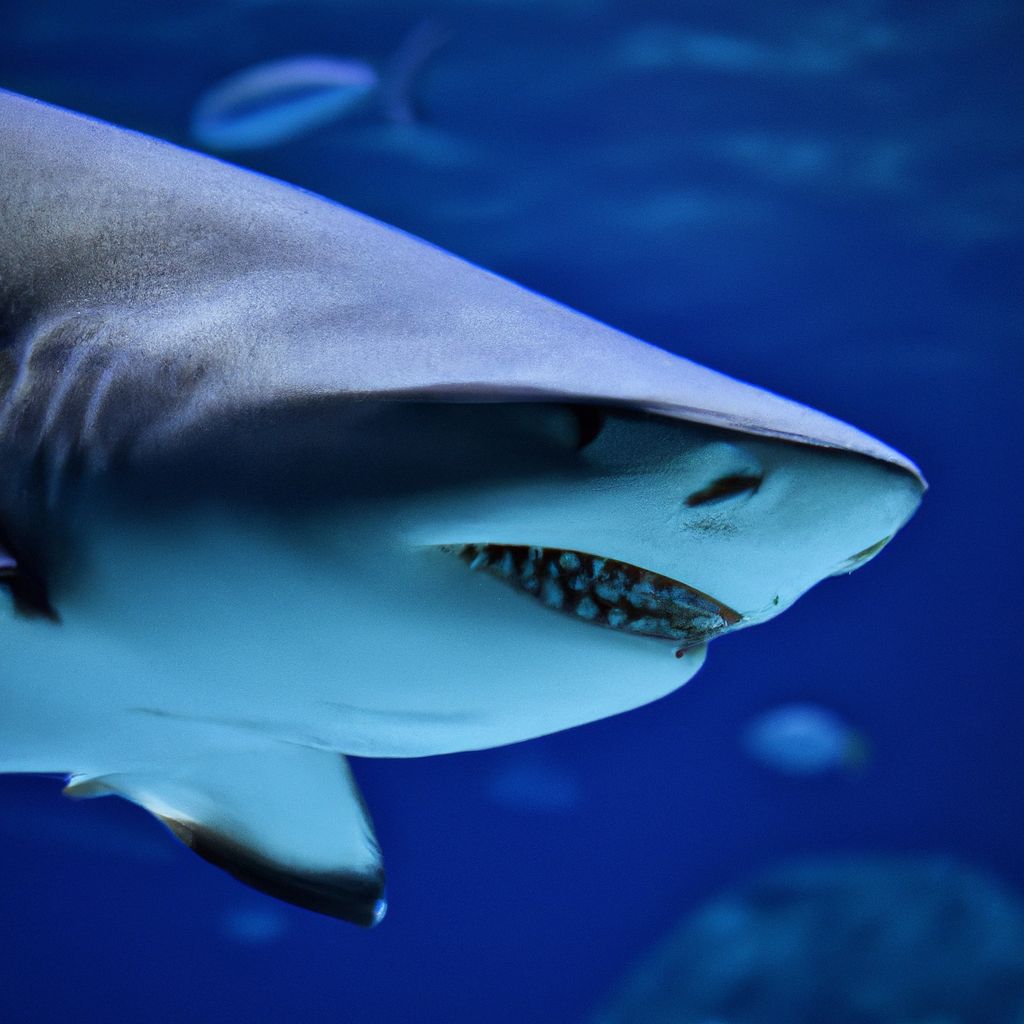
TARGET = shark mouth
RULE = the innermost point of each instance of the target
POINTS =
(606, 592)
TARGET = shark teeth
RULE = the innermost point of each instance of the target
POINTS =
(604, 591)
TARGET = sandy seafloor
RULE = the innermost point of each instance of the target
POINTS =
(821, 199)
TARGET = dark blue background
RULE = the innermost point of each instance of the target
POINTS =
(830, 208)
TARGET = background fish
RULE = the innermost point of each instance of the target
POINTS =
(278, 100)
(804, 739)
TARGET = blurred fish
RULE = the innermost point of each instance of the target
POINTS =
(804, 739)
(533, 782)
(838, 940)
(282, 484)
(282, 99)
(254, 926)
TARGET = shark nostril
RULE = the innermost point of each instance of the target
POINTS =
(724, 488)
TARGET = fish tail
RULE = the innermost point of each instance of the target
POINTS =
(419, 45)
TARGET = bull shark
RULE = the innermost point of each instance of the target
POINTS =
(281, 484)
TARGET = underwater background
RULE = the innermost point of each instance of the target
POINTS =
(821, 199)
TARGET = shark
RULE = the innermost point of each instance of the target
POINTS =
(281, 485)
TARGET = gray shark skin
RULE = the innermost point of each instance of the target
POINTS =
(280, 484)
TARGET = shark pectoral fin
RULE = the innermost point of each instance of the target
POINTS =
(288, 821)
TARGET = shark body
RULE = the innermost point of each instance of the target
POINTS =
(279, 484)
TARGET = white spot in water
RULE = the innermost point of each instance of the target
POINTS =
(255, 926)
(586, 609)
(531, 781)
(803, 739)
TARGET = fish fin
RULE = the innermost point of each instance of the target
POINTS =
(288, 821)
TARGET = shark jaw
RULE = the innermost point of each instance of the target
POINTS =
(606, 592)
(347, 616)
(215, 651)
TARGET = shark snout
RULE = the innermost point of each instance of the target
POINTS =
(888, 498)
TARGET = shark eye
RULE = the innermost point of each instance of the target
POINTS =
(590, 422)
(605, 592)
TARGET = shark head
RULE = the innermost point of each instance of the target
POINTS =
(279, 483)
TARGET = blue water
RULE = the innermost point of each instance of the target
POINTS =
(824, 200)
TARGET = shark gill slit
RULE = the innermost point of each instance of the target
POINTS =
(27, 588)
(603, 591)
